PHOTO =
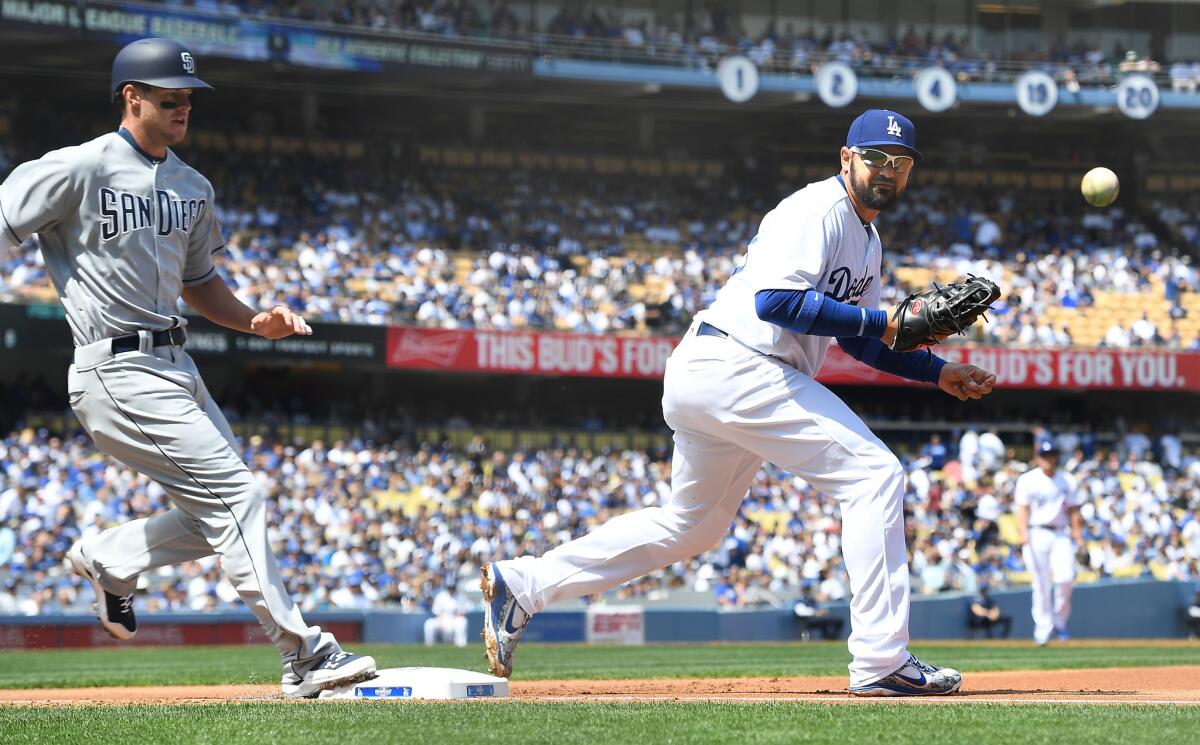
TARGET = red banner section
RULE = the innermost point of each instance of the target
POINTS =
(529, 352)
(548, 353)
(1104, 369)
(87, 633)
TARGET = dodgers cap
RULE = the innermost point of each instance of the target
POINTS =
(876, 127)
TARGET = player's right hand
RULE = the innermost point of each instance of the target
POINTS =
(279, 322)
(966, 381)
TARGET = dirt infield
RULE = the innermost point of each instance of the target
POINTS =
(1177, 685)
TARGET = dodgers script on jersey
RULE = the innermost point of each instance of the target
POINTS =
(1047, 497)
(812, 240)
(121, 233)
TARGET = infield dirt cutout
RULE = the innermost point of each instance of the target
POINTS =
(1177, 685)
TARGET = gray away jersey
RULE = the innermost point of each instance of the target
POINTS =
(122, 235)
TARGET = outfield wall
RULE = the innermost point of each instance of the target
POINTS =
(159, 630)
(1104, 610)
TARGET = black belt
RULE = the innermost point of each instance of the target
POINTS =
(707, 329)
(131, 343)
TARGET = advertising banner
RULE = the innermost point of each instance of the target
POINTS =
(43, 328)
(1104, 369)
(330, 342)
(553, 353)
(50, 632)
(529, 352)
(244, 38)
(623, 624)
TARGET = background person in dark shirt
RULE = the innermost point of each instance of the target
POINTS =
(937, 453)
(985, 614)
(812, 615)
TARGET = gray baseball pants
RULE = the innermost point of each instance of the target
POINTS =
(150, 410)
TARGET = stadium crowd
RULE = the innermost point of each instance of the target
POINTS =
(701, 36)
(359, 524)
(1047, 257)
(455, 248)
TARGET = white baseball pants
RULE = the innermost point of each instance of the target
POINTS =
(1050, 557)
(150, 410)
(732, 408)
(450, 627)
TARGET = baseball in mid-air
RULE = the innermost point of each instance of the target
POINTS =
(1100, 187)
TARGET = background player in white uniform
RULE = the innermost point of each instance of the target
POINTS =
(449, 617)
(739, 390)
(126, 228)
(1050, 529)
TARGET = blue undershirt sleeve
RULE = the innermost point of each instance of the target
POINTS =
(811, 312)
(921, 366)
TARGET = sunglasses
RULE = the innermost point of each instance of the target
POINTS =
(879, 159)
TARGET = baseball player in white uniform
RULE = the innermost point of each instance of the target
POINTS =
(449, 618)
(1050, 530)
(126, 229)
(740, 389)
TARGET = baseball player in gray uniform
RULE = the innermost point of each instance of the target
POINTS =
(127, 228)
(740, 389)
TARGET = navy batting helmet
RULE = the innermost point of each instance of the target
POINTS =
(159, 62)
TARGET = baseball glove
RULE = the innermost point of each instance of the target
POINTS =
(925, 316)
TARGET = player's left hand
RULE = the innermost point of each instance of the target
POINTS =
(279, 322)
(965, 381)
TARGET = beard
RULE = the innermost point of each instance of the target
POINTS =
(878, 195)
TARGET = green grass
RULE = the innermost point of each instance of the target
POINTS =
(134, 666)
(645, 724)
(521, 722)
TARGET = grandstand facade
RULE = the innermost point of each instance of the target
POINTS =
(500, 233)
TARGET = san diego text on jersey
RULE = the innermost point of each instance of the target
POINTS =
(122, 212)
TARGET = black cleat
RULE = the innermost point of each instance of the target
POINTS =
(114, 611)
(338, 669)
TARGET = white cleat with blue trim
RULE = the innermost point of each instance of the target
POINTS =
(503, 622)
(913, 678)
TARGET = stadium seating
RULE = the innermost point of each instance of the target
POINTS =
(396, 518)
(786, 41)
(459, 241)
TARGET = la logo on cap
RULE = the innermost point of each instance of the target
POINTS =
(893, 126)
